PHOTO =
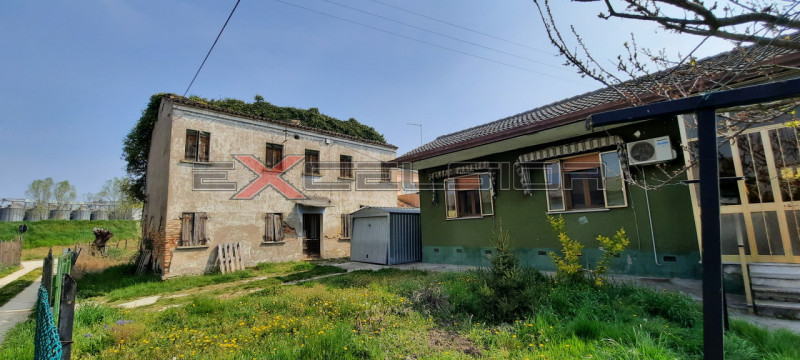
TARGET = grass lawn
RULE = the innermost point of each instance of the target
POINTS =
(15, 287)
(387, 314)
(7, 270)
(49, 233)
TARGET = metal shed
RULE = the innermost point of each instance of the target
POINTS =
(386, 236)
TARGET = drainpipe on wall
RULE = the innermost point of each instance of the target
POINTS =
(650, 218)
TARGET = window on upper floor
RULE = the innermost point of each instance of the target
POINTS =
(386, 172)
(469, 196)
(193, 229)
(590, 181)
(312, 163)
(197, 144)
(273, 155)
(345, 166)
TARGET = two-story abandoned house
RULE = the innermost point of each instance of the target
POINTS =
(282, 190)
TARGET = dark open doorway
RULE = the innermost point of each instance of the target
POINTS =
(312, 226)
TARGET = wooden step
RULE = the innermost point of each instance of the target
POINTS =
(779, 309)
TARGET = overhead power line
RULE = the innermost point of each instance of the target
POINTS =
(212, 47)
(462, 27)
(430, 43)
(443, 35)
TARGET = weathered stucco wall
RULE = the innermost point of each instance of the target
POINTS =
(155, 208)
(467, 241)
(244, 221)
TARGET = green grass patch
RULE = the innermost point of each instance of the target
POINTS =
(15, 287)
(393, 314)
(118, 282)
(48, 233)
(314, 271)
(8, 269)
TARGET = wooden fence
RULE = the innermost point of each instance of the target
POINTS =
(10, 252)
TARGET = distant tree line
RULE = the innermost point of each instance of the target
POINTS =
(113, 195)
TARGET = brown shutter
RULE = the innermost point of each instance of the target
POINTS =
(202, 148)
(186, 229)
(269, 228)
(277, 224)
(346, 231)
(583, 162)
(191, 145)
(199, 229)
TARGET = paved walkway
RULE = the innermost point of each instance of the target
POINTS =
(17, 309)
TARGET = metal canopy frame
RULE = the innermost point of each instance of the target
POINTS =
(705, 107)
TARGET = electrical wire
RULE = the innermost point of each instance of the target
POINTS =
(444, 35)
(212, 48)
(431, 44)
(463, 28)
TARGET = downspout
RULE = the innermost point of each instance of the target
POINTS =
(650, 217)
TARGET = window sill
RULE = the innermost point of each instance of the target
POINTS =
(312, 175)
(577, 211)
(346, 178)
(272, 243)
(347, 239)
(468, 217)
(192, 247)
(193, 162)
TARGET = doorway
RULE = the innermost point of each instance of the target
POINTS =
(312, 226)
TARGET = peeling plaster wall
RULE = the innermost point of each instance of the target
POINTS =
(244, 221)
(155, 208)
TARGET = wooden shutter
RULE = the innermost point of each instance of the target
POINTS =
(187, 222)
(199, 229)
(191, 145)
(272, 228)
(346, 231)
(202, 147)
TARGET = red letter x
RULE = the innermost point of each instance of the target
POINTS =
(267, 177)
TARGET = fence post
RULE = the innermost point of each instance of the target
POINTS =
(66, 315)
(47, 272)
(64, 267)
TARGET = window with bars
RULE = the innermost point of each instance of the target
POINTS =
(345, 166)
(273, 227)
(193, 229)
(197, 145)
(347, 231)
(312, 163)
(273, 155)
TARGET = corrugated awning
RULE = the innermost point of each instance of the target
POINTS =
(560, 151)
(570, 149)
(465, 169)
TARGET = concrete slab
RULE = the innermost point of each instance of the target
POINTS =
(150, 300)
(18, 309)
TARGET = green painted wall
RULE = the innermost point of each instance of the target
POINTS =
(466, 241)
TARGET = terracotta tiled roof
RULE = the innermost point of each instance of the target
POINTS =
(575, 109)
(185, 101)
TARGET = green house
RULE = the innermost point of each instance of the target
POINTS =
(546, 161)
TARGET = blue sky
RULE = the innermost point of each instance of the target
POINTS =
(74, 76)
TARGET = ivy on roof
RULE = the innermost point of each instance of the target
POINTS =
(136, 146)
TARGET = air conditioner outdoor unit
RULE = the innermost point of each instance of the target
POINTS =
(650, 151)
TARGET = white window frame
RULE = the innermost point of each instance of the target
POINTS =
(602, 176)
(480, 195)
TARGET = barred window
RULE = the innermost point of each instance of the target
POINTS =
(197, 145)
(347, 232)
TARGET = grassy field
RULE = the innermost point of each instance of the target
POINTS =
(6, 270)
(387, 314)
(49, 233)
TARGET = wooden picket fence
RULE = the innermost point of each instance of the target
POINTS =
(10, 252)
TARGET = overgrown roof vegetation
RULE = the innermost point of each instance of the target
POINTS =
(137, 144)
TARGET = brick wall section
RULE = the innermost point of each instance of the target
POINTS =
(171, 238)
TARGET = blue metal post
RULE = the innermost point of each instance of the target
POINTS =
(710, 235)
